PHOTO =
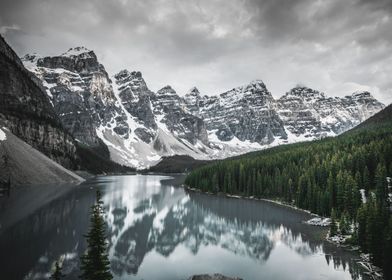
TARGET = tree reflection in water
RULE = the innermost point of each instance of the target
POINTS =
(146, 215)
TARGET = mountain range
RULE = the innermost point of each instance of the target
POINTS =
(136, 127)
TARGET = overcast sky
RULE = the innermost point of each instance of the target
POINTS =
(331, 45)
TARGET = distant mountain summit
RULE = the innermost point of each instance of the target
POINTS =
(244, 113)
(311, 114)
(140, 126)
(80, 90)
(78, 51)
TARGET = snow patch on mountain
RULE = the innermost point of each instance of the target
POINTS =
(77, 51)
(3, 136)
(139, 126)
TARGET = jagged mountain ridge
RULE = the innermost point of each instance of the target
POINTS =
(137, 125)
(140, 126)
(245, 113)
(79, 89)
(324, 116)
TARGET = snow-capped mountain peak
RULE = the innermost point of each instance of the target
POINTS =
(124, 74)
(133, 81)
(33, 57)
(77, 51)
(312, 114)
(167, 90)
(194, 91)
(257, 84)
(305, 93)
(140, 126)
(362, 95)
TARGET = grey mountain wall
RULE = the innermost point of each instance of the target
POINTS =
(27, 112)
(140, 126)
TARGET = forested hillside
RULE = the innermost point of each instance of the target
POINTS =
(325, 177)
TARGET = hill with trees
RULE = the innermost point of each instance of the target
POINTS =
(333, 175)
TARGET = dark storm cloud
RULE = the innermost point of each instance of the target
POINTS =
(332, 45)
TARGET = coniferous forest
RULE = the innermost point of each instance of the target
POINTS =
(344, 177)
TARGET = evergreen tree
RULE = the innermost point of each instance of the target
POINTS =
(361, 229)
(95, 263)
(357, 200)
(290, 191)
(344, 224)
(333, 228)
(57, 274)
(387, 258)
(374, 234)
(215, 186)
(366, 180)
(358, 180)
(351, 202)
(332, 190)
(381, 185)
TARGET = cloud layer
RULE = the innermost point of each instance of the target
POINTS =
(334, 46)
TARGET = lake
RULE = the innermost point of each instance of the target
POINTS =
(157, 230)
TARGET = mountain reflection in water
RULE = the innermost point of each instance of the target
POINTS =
(159, 231)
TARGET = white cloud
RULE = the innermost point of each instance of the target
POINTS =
(4, 29)
(334, 46)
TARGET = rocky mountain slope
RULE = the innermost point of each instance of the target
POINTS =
(26, 165)
(311, 114)
(140, 126)
(27, 112)
(79, 90)
(49, 122)
(137, 125)
(245, 113)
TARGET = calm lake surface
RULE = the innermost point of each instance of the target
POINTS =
(157, 230)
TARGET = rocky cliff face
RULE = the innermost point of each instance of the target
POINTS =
(135, 97)
(245, 112)
(139, 126)
(27, 112)
(80, 91)
(193, 100)
(159, 125)
(170, 110)
(311, 114)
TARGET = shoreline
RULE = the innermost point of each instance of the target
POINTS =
(277, 202)
(363, 261)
